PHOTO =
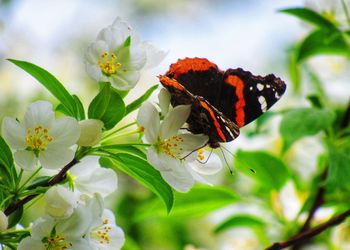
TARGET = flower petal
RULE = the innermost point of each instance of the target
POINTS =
(103, 181)
(13, 133)
(39, 113)
(154, 55)
(179, 178)
(148, 117)
(190, 142)
(65, 132)
(212, 166)
(164, 101)
(125, 80)
(30, 243)
(161, 161)
(174, 120)
(55, 157)
(25, 159)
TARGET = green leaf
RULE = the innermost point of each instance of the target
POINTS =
(107, 106)
(301, 122)
(268, 170)
(339, 166)
(240, 220)
(120, 148)
(310, 16)
(323, 42)
(294, 69)
(51, 84)
(7, 166)
(199, 201)
(142, 171)
(80, 108)
(137, 103)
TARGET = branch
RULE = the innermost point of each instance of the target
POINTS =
(56, 179)
(308, 234)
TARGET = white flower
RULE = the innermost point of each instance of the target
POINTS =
(90, 178)
(105, 234)
(60, 202)
(118, 55)
(90, 132)
(40, 137)
(171, 152)
(47, 233)
(3, 221)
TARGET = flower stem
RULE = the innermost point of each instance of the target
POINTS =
(117, 130)
(56, 179)
(29, 179)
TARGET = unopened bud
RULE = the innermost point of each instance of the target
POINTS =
(91, 132)
(60, 202)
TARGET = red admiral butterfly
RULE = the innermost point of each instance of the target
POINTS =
(222, 101)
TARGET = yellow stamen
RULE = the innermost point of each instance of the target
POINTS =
(38, 140)
(109, 63)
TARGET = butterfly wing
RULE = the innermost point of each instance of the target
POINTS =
(244, 96)
(204, 118)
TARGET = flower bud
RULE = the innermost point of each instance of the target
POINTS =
(60, 202)
(91, 132)
(3, 221)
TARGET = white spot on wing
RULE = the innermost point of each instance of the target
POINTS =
(268, 86)
(260, 86)
(263, 103)
(250, 88)
(277, 95)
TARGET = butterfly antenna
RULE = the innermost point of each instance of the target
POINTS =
(223, 154)
(204, 162)
(233, 155)
(193, 151)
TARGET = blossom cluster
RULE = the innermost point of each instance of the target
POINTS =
(75, 215)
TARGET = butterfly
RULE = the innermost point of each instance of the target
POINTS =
(221, 101)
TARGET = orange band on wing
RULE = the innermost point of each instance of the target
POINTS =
(166, 81)
(216, 123)
(236, 82)
(183, 66)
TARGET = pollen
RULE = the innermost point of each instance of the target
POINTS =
(172, 147)
(102, 234)
(200, 154)
(108, 63)
(38, 138)
(56, 243)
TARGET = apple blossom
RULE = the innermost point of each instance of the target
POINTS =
(118, 55)
(40, 137)
(173, 153)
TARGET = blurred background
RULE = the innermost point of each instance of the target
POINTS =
(251, 34)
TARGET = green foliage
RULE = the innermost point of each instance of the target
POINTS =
(323, 41)
(339, 166)
(267, 170)
(199, 201)
(300, 122)
(310, 16)
(142, 171)
(70, 106)
(240, 220)
(137, 103)
(8, 175)
(107, 106)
